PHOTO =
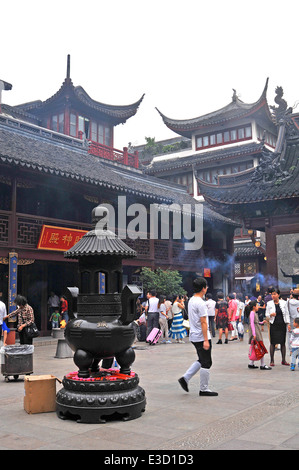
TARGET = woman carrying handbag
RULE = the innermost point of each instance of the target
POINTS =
(25, 319)
(255, 337)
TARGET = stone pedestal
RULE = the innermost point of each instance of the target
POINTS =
(58, 333)
(63, 350)
(104, 396)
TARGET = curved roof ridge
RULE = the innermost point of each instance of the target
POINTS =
(213, 117)
(82, 94)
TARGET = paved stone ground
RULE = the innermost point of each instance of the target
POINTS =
(255, 410)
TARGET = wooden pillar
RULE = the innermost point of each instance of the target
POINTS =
(44, 297)
(67, 121)
(230, 252)
(13, 225)
(271, 253)
(126, 159)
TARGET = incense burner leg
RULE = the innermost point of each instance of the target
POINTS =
(83, 360)
(125, 359)
(95, 365)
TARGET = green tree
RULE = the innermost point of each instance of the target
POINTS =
(168, 282)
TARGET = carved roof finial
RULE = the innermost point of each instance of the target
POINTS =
(68, 68)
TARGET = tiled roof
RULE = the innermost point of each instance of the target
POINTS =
(42, 155)
(119, 114)
(204, 157)
(247, 251)
(92, 243)
(242, 192)
(237, 109)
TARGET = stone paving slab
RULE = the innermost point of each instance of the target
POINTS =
(255, 410)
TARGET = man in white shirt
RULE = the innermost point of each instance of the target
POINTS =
(200, 337)
(152, 312)
(53, 302)
(3, 313)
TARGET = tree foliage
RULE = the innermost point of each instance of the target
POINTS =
(168, 282)
(155, 148)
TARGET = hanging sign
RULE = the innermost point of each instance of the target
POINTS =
(102, 283)
(59, 238)
(12, 283)
(206, 272)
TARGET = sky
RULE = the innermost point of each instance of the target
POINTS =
(186, 56)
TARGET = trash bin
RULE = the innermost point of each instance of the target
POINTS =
(16, 360)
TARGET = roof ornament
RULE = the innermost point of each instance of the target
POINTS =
(68, 67)
(4, 86)
(269, 169)
(235, 97)
(281, 111)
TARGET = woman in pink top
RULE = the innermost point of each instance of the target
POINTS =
(255, 332)
(232, 313)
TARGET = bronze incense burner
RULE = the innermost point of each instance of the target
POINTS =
(101, 330)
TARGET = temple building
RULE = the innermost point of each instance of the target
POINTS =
(57, 163)
(243, 163)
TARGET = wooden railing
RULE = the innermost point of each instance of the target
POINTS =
(112, 154)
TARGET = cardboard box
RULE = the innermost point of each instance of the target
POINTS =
(40, 393)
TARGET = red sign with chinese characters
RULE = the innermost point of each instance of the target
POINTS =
(206, 272)
(59, 238)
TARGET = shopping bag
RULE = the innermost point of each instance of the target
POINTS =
(240, 328)
(251, 354)
(260, 349)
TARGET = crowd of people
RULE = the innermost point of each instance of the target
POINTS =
(229, 317)
(58, 309)
(199, 317)
(164, 313)
(23, 316)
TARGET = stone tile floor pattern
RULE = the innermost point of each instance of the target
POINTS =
(255, 410)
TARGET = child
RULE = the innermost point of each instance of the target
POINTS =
(255, 332)
(163, 320)
(5, 330)
(294, 342)
(55, 318)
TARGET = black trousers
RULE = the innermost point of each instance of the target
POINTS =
(24, 338)
(152, 322)
(204, 356)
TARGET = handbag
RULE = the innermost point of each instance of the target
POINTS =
(257, 350)
(185, 314)
(230, 326)
(251, 354)
(260, 349)
(240, 328)
(32, 331)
